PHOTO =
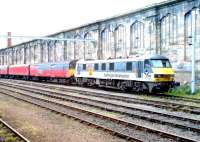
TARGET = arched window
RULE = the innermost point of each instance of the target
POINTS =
(173, 28)
(44, 55)
(78, 48)
(137, 36)
(120, 41)
(152, 38)
(37, 53)
(165, 32)
(188, 35)
(107, 42)
(192, 23)
(50, 51)
(69, 49)
(27, 54)
(89, 47)
(58, 50)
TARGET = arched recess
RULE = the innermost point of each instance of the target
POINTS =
(37, 53)
(9, 57)
(173, 29)
(5, 57)
(151, 48)
(50, 51)
(188, 35)
(169, 38)
(1, 56)
(192, 22)
(32, 53)
(27, 54)
(19, 56)
(58, 51)
(44, 50)
(165, 33)
(22, 55)
(78, 48)
(69, 49)
(107, 44)
(90, 48)
(120, 41)
(137, 37)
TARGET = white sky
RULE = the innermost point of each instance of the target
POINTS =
(43, 17)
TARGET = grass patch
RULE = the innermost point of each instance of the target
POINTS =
(185, 91)
(6, 136)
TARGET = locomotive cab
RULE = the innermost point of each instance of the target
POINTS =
(161, 73)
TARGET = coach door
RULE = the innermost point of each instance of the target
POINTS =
(140, 68)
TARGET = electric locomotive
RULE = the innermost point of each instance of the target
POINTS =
(150, 74)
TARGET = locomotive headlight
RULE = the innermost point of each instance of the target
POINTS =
(157, 75)
(163, 75)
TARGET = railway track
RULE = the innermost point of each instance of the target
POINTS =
(51, 98)
(164, 96)
(7, 132)
(164, 104)
(123, 109)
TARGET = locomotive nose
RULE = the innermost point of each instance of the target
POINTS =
(163, 74)
(163, 71)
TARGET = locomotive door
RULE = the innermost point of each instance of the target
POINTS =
(140, 69)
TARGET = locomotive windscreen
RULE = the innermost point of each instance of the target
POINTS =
(157, 63)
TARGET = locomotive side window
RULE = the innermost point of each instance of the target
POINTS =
(147, 64)
(111, 66)
(134, 65)
(103, 66)
(84, 67)
(120, 66)
(129, 66)
(96, 67)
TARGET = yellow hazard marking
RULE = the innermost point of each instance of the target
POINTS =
(71, 72)
(163, 71)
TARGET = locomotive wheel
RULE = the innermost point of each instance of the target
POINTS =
(122, 86)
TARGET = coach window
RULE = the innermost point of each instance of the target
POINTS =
(129, 66)
(84, 67)
(96, 67)
(111, 66)
(103, 66)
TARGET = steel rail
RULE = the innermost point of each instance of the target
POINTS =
(43, 90)
(101, 105)
(127, 124)
(161, 104)
(156, 103)
(13, 131)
